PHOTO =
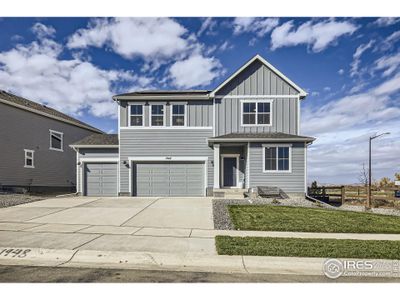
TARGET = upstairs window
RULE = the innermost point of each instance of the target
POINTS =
(277, 158)
(256, 113)
(178, 115)
(157, 115)
(136, 115)
(56, 140)
(29, 157)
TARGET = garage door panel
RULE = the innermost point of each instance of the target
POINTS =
(169, 179)
(101, 179)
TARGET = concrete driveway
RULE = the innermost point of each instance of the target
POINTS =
(110, 224)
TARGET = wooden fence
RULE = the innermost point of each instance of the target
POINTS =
(380, 196)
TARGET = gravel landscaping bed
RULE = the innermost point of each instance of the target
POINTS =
(222, 219)
(7, 200)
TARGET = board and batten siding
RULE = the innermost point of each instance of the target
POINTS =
(289, 182)
(199, 113)
(21, 129)
(91, 153)
(163, 142)
(256, 80)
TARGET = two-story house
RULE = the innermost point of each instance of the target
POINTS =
(34, 151)
(244, 133)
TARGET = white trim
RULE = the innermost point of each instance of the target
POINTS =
(204, 159)
(95, 146)
(119, 143)
(223, 140)
(77, 171)
(164, 116)
(305, 168)
(171, 109)
(213, 125)
(237, 156)
(248, 166)
(129, 115)
(98, 159)
(167, 127)
(277, 171)
(298, 115)
(162, 97)
(216, 184)
(256, 117)
(62, 140)
(256, 96)
(31, 158)
(262, 60)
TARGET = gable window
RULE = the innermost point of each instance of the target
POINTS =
(29, 157)
(136, 115)
(256, 113)
(277, 158)
(178, 115)
(157, 115)
(56, 140)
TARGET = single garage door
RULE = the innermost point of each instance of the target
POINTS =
(169, 179)
(101, 179)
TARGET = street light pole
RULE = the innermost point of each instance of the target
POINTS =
(370, 168)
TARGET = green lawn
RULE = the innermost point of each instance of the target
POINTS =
(263, 246)
(284, 218)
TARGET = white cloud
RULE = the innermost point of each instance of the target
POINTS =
(340, 71)
(225, 46)
(327, 89)
(342, 128)
(149, 38)
(314, 93)
(207, 27)
(388, 63)
(316, 35)
(195, 71)
(259, 26)
(43, 31)
(37, 72)
(354, 67)
(383, 22)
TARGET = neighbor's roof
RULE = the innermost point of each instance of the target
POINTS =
(107, 140)
(273, 136)
(164, 94)
(43, 110)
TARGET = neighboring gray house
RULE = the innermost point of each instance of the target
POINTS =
(244, 133)
(34, 151)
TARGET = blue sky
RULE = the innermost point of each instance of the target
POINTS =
(350, 68)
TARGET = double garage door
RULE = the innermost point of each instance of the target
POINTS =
(169, 179)
(101, 179)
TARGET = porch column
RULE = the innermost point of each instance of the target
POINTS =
(216, 166)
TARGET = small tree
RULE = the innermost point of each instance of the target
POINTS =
(314, 188)
(397, 176)
(363, 176)
(385, 181)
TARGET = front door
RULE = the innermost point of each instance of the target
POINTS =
(229, 172)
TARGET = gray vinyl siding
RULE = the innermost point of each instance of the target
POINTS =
(19, 130)
(289, 182)
(198, 113)
(228, 117)
(163, 142)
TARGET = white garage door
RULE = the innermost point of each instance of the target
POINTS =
(169, 179)
(101, 179)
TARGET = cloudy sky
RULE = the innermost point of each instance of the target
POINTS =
(350, 68)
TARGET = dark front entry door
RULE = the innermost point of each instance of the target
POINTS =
(229, 171)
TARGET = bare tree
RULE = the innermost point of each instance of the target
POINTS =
(363, 176)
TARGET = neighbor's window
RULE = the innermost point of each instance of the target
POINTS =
(56, 140)
(276, 158)
(136, 115)
(29, 157)
(157, 115)
(178, 115)
(256, 113)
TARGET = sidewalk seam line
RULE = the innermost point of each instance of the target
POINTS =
(100, 235)
(65, 262)
(244, 265)
(122, 224)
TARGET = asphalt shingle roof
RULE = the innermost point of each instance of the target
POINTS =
(42, 109)
(267, 135)
(167, 92)
(99, 140)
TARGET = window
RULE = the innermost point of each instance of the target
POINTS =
(277, 158)
(29, 157)
(56, 140)
(178, 115)
(157, 115)
(256, 113)
(136, 115)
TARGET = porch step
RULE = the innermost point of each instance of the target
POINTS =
(235, 193)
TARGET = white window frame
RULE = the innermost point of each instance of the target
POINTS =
(184, 115)
(33, 158)
(129, 116)
(256, 101)
(277, 145)
(62, 140)
(150, 115)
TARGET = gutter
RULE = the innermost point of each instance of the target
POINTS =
(162, 97)
(94, 146)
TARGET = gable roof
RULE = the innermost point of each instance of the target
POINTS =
(103, 140)
(43, 110)
(258, 57)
